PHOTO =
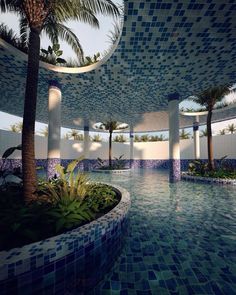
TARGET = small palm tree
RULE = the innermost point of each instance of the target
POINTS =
(222, 132)
(161, 137)
(153, 138)
(203, 132)
(209, 98)
(17, 127)
(231, 128)
(91, 60)
(144, 138)
(120, 138)
(97, 138)
(184, 135)
(75, 135)
(48, 16)
(44, 132)
(136, 138)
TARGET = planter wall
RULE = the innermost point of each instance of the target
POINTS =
(67, 263)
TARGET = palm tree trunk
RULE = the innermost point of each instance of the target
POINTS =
(28, 154)
(211, 165)
(110, 142)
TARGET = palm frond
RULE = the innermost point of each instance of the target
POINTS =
(56, 30)
(105, 7)
(24, 27)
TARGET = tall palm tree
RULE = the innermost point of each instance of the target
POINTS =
(231, 128)
(110, 126)
(184, 135)
(48, 16)
(209, 98)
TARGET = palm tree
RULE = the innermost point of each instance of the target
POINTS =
(110, 126)
(48, 16)
(231, 128)
(203, 133)
(136, 138)
(97, 138)
(154, 138)
(144, 138)
(75, 135)
(17, 127)
(222, 132)
(184, 135)
(120, 138)
(208, 98)
(44, 132)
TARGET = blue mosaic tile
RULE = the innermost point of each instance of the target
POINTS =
(165, 47)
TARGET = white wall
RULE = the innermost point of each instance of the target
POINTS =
(70, 149)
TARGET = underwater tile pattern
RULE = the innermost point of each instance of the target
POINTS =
(181, 239)
(65, 263)
(166, 46)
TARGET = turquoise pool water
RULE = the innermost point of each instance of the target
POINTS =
(181, 239)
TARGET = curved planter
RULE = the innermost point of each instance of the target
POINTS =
(209, 180)
(114, 171)
(69, 263)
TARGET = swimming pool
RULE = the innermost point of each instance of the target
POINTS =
(181, 238)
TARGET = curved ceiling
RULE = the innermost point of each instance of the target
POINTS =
(165, 47)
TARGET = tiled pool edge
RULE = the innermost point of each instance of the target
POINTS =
(134, 164)
(68, 262)
(210, 180)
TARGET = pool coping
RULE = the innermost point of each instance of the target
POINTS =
(18, 261)
(210, 180)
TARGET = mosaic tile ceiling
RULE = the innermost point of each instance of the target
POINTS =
(179, 46)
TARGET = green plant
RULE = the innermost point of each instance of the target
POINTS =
(118, 163)
(96, 138)
(68, 185)
(100, 197)
(198, 167)
(120, 138)
(5, 172)
(91, 60)
(52, 54)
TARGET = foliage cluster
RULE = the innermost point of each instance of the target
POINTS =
(118, 163)
(201, 168)
(62, 204)
(146, 138)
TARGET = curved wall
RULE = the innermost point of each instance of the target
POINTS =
(69, 263)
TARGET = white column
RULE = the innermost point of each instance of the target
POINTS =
(86, 145)
(131, 143)
(196, 137)
(54, 127)
(174, 148)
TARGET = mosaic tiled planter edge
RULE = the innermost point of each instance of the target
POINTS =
(71, 262)
(209, 180)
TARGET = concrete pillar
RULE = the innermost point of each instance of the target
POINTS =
(196, 138)
(86, 146)
(54, 127)
(174, 148)
(131, 143)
